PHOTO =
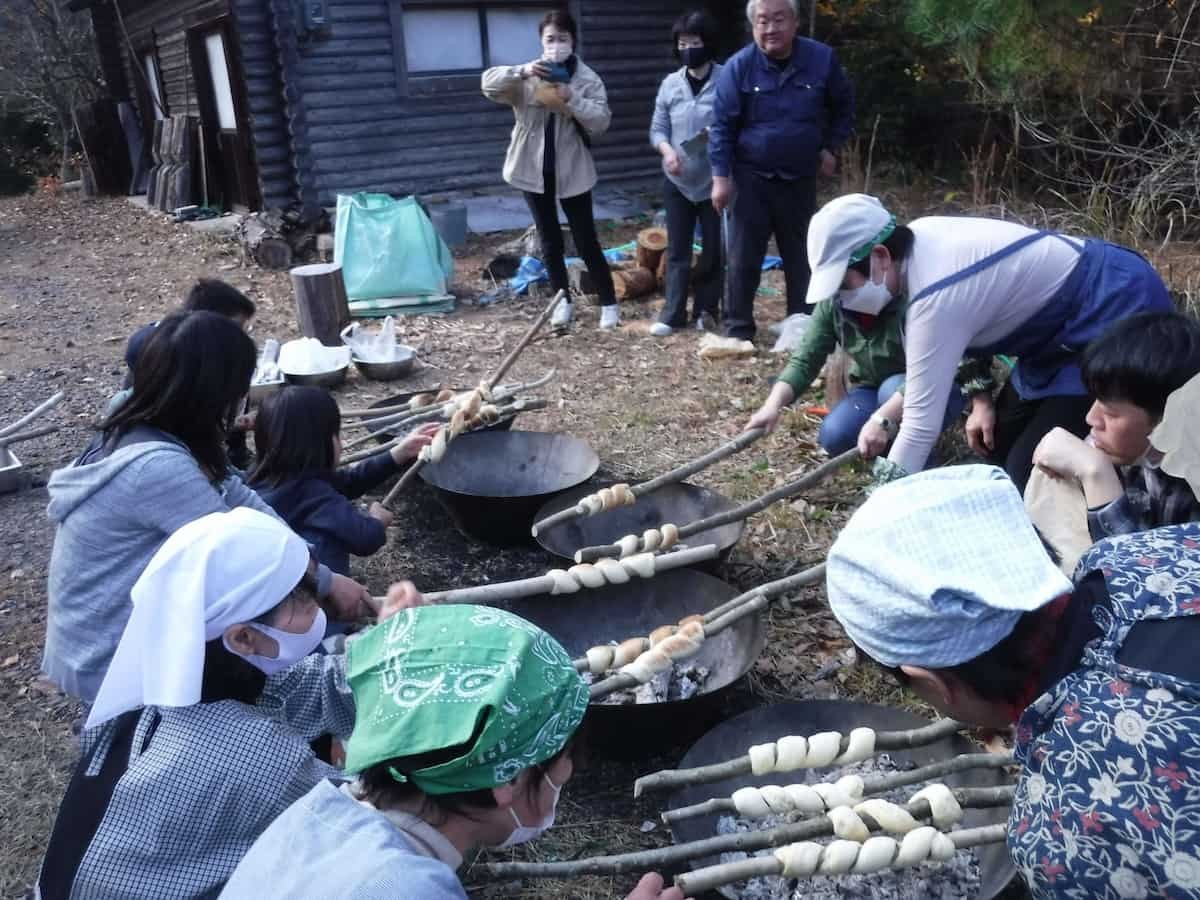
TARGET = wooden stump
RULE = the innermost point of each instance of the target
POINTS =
(660, 272)
(632, 283)
(651, 247)
(264, 244)
(321, 305)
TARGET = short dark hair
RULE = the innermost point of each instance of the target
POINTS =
(189, 381)
(1141, 359)
(293, 434)
(562, 20)
(899, 245)
(218, 296)
(697, 21)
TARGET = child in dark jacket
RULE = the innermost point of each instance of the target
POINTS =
(297, 441)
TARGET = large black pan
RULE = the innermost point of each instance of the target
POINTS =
(732, 738)
(493, 482)
(617, 612)
(384, 433)
(678, 503)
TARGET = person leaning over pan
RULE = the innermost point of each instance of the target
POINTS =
(783, 108)
(458, 744)
(559, 104)
(199, 734)
(942, 579)
(977, 287)
(683, 112)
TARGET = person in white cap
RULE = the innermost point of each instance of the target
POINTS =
(980, 287)
(198, 737)
(942, 579)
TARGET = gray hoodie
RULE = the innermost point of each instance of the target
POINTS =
(112, 516)
(680, 115)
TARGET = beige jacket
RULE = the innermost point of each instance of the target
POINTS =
(574, 168)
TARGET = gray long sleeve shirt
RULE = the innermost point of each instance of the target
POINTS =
(679, 116)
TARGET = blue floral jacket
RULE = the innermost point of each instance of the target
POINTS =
(1108, 804)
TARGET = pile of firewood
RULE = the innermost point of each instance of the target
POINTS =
(276, 238)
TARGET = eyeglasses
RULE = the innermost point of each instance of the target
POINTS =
(777, 19)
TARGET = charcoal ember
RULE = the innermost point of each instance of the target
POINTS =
(955, 879)
(681, 682)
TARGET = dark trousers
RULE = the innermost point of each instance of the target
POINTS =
(762, 207)
(1021, 424)
(583, 228)
(682, 214)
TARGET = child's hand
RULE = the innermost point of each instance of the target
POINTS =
(400, 596)
(381, 514)
(409, 447)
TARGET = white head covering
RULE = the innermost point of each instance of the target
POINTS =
(217, 571)
(937, 568)
(838, 231)
(1177, 436)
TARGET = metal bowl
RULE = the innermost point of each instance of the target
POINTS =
(388, 371)
(12, 478)
(329, 379)
(260, 392)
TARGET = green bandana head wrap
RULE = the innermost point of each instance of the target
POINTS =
(429, 678)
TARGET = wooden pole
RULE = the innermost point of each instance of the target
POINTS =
(37, 412)
(507, 362)
(816, 476)
(739, 443)
(18, 436)
(321, 304)
(669, 779)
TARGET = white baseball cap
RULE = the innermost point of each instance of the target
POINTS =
(842, 232)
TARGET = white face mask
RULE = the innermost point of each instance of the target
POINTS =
(558, 52)
(524, 833)
(871, 297)
(292, 647)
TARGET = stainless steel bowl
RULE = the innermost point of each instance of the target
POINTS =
(12, 478)
(319, 379)
(260, 392)
(388, 371)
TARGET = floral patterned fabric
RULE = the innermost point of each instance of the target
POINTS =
(1108, 804)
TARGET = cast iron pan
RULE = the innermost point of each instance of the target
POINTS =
(583, 620)
(382, 434)
(493, 482)
(678, 503)
(766, 723)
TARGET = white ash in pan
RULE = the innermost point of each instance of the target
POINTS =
(956, 879)
(680, 682)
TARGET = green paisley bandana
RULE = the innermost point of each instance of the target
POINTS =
(426, 678)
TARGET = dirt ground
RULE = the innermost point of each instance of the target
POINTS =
(77, 277)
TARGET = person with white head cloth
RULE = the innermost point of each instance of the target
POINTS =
(977, 287)
(199, 733)
(942, 579)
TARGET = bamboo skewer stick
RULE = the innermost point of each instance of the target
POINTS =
(742, 441)
(816, 476)
(646, 860)
(17, 437)
(669, 779)
(542, 584)
(777, 588)
(877, 784)
(409, 476)
(701, 881)
(507, 362)
(40, 410)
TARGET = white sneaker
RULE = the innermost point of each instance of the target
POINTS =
(610, 317)
(661, 329)
(563, 314)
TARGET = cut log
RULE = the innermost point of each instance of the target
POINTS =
(321, 305)
(632, 283)
(660, 272)
(265, 245)
(651, 246)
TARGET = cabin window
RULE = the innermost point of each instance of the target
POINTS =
(469, 38)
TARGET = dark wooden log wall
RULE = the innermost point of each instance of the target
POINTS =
(355, 126)
(161, 23)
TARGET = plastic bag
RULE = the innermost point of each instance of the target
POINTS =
(373, 346)
(308, 356)
(791, 332)
(389, 248)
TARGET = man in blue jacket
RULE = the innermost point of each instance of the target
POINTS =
(783, 107)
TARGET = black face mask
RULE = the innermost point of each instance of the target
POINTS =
(694, 57)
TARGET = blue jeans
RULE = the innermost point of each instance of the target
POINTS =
(839, 431)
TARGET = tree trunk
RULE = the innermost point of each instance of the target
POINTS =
(651, 246)
(321, 304)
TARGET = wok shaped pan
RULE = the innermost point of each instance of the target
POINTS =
(493, 482)
(384, 433)
(583, 620)
(733, 738)
(678, 503)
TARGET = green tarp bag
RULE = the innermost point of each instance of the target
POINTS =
(388, 248)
